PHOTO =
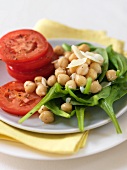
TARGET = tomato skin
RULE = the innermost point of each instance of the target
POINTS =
(45, 71)
(14, 99)
(21, 46)
(36, 64)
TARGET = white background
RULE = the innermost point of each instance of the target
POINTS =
(109, 15)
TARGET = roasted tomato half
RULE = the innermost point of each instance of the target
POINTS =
(21, 46)
(14, 99)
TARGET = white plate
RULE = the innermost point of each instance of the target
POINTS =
(99, 139)
(95, 117)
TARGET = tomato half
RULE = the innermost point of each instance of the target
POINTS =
(36, 64)
(22, 46)
(45, 71)
(14, 99)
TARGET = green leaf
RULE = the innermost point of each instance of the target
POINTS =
(117, 60)
(107, 107)
(88, 85)
(66, 47)
(80, 117)
(117, 91)
(91, 100)
(122, 79)
(105, 65)
(54, 92)
(52, 105)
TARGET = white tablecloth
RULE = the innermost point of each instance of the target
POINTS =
(109, 15)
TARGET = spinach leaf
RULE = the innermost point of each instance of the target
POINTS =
(54, 92)
(53, 106)
(105, 65)
(121, 79)
(88, 85)
(80, 117)
(91, 101)
(117, 91)
(117, 60)
(67, 47)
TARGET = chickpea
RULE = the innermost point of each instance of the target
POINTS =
(88, 61)
(62, 79)
(71, 84)
(67, 107)
(82, 70)
(59, 71)
(56, 65)
(95, 87)
(84, 47)
(63, 62)
(67, 54)
(72, 57)
(92, 73)
(51, 80)
(47, 117)
(111, 75)
(72, 69)
(29, 86)
(37, 80)
(96, 67)
(80, 80)
(42, 108)
(68, 72)
(73, 76)
(41, 90)
(58, 50)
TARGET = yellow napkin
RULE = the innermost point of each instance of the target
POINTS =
(52, 29)
(66, 143)
(58, 144)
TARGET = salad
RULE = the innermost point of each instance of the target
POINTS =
(81, 75)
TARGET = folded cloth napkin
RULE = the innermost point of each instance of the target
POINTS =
(58, 144)
(64, 143)
(52, 29)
